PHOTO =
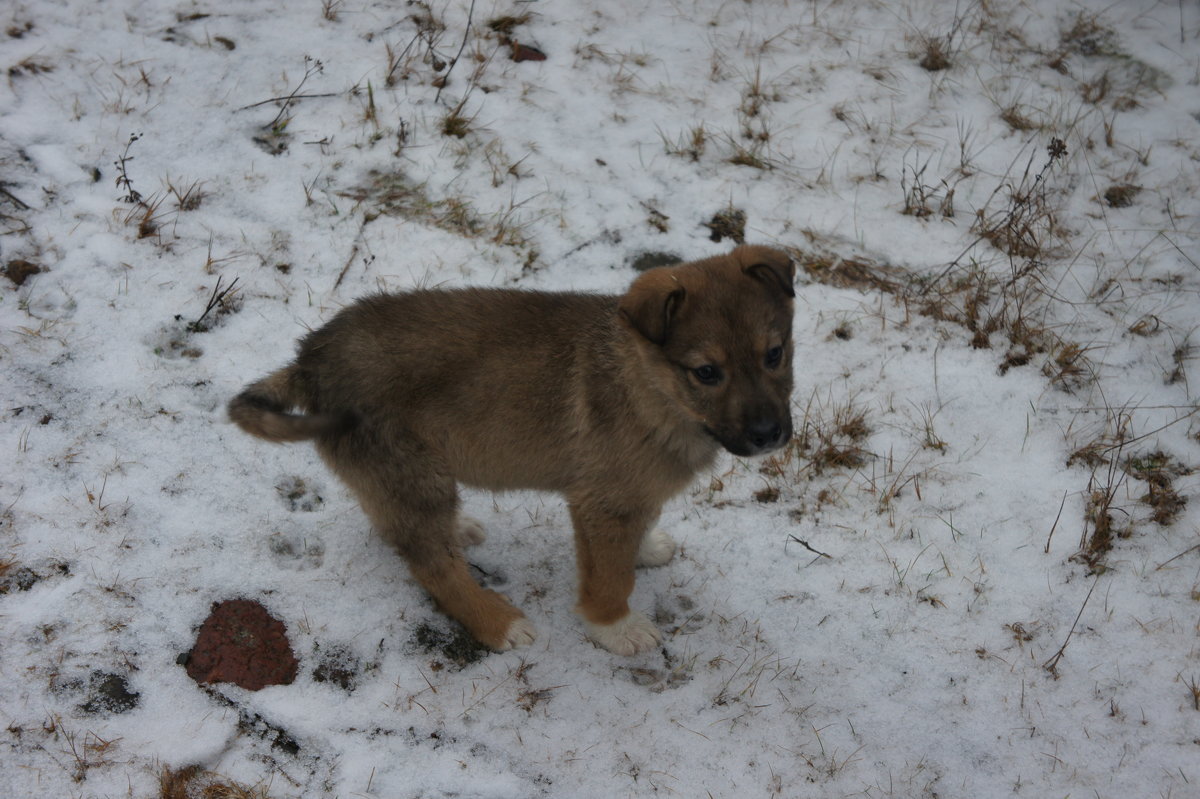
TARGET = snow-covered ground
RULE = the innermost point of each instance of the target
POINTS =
(996, 429)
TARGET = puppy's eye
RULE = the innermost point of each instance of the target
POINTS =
(707, 374)
(774, 357)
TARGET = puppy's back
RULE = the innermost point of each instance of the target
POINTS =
(494, 379)
(424, 342)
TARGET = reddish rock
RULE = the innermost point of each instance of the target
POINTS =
(241, 643)
(523, 52)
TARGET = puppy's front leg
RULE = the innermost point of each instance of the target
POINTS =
(606, 548)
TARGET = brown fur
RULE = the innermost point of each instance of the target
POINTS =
(595, 397)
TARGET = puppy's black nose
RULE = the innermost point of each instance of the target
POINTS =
(765, 433)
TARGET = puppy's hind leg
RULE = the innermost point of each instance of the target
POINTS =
(413, 504)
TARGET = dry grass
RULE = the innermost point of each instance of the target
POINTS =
(1026, 227)
(1158, 470)
(1104, 520)
(189, 196)
(729, 223)
(922, 200)
(456, 123)
(825, 440)
(193, 782)
(690, 144)
(1111, 470)
(392, 194)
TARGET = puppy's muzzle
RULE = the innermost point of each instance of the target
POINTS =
(765, 435)
(759, 435)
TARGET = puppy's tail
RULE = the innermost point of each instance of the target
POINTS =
(263, 410)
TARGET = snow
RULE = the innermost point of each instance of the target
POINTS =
(909, 662)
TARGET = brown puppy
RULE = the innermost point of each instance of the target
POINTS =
(614, 402)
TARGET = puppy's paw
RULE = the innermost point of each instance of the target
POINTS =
(628, 636)
(468, 531)
(520, 633)
(657, 549)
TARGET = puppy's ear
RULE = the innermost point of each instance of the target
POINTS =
(768, 265)
(652, 303)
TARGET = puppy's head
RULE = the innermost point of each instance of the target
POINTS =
(717, 335)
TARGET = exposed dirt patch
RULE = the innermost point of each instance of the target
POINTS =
(109, 693)
(457, 648)
(19, 270)
(22, 578)
(1121, 195)
(338, 665)
(650, 260)
(728, 224)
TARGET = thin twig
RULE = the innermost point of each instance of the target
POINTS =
(1051, 665)
(17, 201)
(1056, 518)
(805, 544)
(1135, 439)
(289, 98)
(346, 268)
(1177, 557)
(493, 690)
(353, 254)
(461, 47)
(388, 80)
(216, 298)
(312, 66)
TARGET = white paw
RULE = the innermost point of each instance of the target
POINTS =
(657, 549)
(468, 531)
(628, 636)
(520, 633)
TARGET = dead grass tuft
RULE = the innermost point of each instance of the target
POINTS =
(727, 224)
(146, 216)
(689, 144)
(193, 782)
(455, 123)
(1159, 471)
(506, 24)
(422, 50)
(331, 9)
(392, 194)
(922, 200)
(30, 66)
(1016, 117)
(1010, 298)
(834, 442)
(1104, 521)
(752, 154)
(822, 263)
(1027, 224)
(188, 197)
(1193, 686)
(1068, 366)
(1088, 36)
(935, 55)
(1121, 195)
